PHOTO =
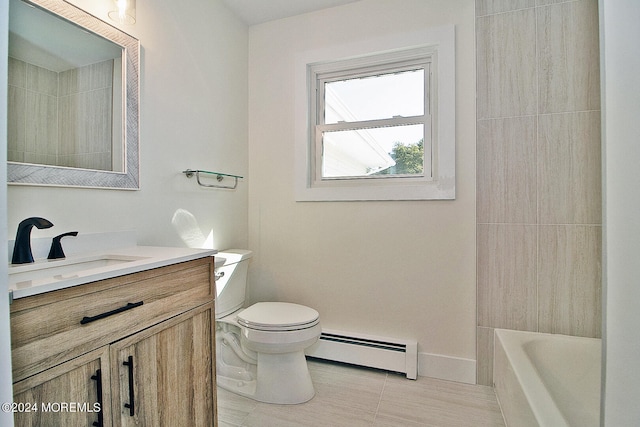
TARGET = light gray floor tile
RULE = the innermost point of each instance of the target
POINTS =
(233, 409)
(352, 396)
(429, 401)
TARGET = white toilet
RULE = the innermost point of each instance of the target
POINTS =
(260, 349)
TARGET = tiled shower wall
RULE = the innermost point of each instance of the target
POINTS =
(539, 216)
(62, 119)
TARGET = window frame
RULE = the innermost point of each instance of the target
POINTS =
(378, 65)
(439, 43)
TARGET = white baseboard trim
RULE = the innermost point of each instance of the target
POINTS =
(447, 368)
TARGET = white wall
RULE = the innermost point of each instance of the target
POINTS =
(397, 269)
(621, 133)
(193, 114)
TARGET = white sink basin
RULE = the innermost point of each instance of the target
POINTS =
(63, 269)
(86, 267)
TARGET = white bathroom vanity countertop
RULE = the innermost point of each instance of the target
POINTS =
(46, 276)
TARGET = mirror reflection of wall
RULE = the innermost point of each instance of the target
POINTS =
(65, 99)
(62, 119)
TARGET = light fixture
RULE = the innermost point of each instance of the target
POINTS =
(125, 12)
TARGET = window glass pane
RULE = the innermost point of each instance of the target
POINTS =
(397, 150)
(375, 97)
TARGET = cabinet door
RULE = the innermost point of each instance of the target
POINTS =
(165, 375)
(70, 394)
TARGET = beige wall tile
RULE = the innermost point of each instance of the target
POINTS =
(91, 77)
(42, 80)
(41, 134)
(569, 168)
(69, 82)
(101, 75)
(32, 113)
(548, 2)
(41, 159)
(507, 276)
(68, 110)
(484, 355)
(15, 156)
(506, 176)
(569, 280)
(506, 64)
(85, 144)
(569, 61)
(16, 120)
(17, 73)
(488, 7)
(522, 264)
(41, 139)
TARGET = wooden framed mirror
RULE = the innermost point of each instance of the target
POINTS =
(73, 110)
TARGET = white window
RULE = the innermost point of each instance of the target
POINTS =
(372, 119)
(378, 126)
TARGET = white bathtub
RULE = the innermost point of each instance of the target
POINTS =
(547, 380)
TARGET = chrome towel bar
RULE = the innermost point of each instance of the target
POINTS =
(218, 176)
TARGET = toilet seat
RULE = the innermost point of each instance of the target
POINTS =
(278, 316)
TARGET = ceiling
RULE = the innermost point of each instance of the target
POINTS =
(258, 11)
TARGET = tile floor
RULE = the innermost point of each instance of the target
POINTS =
(353, 396)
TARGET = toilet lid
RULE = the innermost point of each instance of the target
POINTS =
(278, 316)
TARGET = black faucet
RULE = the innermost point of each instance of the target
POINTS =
(56, 251)
(22, 248)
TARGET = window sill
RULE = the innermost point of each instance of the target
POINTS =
(444, 189)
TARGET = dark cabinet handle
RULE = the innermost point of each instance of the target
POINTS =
(130, 405)
(129, 306)
(98, 378)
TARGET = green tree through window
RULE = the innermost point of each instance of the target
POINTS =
(409, 159)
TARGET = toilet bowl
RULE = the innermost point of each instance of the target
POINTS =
(260, 349)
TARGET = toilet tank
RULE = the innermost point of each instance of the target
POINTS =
(231, 281)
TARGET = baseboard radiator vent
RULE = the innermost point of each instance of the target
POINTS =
(365, 350)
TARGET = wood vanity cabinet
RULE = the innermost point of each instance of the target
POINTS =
(131, 350)
(42, 395)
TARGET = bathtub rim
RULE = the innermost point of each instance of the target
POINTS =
(541, 403)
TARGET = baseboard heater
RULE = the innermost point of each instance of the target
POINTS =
(366, 350)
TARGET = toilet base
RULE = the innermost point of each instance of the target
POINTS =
(284, 378)
(281, 378)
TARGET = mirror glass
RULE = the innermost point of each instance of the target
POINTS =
(73, 98)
